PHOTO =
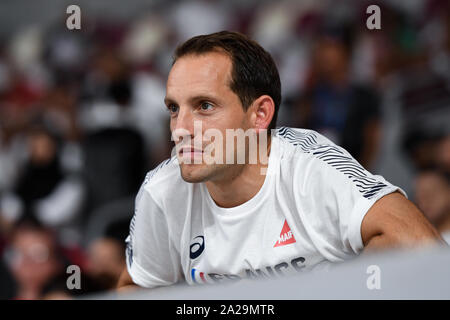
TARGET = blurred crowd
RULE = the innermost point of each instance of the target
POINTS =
(82, 117)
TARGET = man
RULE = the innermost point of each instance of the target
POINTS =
(208, 222)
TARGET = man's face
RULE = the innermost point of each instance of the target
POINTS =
(198, 90)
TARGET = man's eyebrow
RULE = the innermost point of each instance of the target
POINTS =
(168, 100)
(202, 98)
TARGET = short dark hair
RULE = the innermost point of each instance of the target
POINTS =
(254, 72)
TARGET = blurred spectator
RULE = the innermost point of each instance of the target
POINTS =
(106, 248)
(416, 95)
(194, 17)
(285, 29)
(114, 158)
(33, 258)
(425, 101)
(146, 49)
(433, 198)
(43, 190)
(38, 265)
(422, 147)
(345, 112)
(112, 217)
(106, 261)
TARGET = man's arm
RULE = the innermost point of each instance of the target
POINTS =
(394, 222)
(125, 282)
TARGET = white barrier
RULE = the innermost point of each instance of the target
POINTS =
(420, 274)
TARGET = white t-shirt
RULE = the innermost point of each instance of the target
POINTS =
(307, 213)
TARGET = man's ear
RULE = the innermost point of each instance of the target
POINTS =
(261, 111)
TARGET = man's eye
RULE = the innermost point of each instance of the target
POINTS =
(206, 106)
(173, 108)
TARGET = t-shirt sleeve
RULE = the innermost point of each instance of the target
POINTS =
(150, 256)
(338, 193)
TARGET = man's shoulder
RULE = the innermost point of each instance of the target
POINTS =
(299, 161)
(319, 163)
(163, 178)
(301, 140)
(311, 158)
(302, 145)
(163, 170)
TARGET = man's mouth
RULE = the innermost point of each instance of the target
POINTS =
(190, 152)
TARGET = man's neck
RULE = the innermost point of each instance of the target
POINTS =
(240, 186)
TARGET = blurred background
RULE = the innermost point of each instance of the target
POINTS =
(82, 117)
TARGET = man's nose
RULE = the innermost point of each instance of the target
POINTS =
(184, 125)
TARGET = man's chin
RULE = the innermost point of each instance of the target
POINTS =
(192, 175)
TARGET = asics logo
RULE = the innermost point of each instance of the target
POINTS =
(197, 247)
